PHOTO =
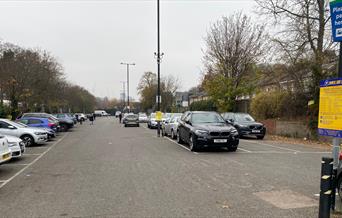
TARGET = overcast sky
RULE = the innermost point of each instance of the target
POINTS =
(91, 38)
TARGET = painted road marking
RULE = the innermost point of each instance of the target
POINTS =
(179, 144)
(241, 149)
(17, 164)
(34, 161)
(273, 146)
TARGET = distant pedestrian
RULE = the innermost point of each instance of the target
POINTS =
(120, 117)
(91, 118)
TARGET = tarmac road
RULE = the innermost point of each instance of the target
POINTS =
(106, 170)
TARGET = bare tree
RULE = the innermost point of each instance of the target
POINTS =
(303, 33)
(233, 46)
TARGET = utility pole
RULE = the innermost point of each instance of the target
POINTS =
(123, 93)
(127, 65)
(159, 56)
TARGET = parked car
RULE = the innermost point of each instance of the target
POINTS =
(50, 133)
(38, 122)
(16, 145)
(51, 118)
(169, 127)
(152, 122)
(143, 118)
(81, 116)
(5, 152)
(245, 124)
(131, 120)
(29, 135)
(206, 129)
(117, 114)
(65, 121)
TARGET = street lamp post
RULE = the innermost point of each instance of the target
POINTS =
(128, 64)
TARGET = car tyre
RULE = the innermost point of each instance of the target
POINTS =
(193, 143)
(232, 149)
(260, 137)
(28, 140)
(173, 134)
(63, 127)
(179, 140)
(125, 125)
(138, 125)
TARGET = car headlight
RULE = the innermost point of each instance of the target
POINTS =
(243, 126)
(201, 132)
(11, 144)
(39, 133)
(234, 132)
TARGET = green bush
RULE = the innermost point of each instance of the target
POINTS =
(284, 104)
(205, 105)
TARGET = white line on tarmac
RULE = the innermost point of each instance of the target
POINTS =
(241, 149)
(25, 154)
(1, 181)
(17, 164)
(179, 145)
(34, 161)
(273, 146)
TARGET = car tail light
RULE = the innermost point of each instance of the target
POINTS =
(51, 124)
(340, 156)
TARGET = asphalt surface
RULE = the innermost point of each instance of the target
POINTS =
(106, 170)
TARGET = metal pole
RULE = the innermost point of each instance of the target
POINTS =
(336, 144)
(129, 108)
(326, 188)
(158, 63)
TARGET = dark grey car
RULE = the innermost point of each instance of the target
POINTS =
(131, 120)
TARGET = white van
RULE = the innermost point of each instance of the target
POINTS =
(5, 152)
(100, 113)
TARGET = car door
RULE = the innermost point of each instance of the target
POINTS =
(5, 130)
(181, 125)
(168, 126)
(35, 123)
(187, 127)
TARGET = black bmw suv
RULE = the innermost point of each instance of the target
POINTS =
(245, 124)
(206, 129)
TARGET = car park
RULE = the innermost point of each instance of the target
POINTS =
(169, 127)
(5, 152)
(16, 145)
(131, 120)
(29, 135)
(245, 124)
(206, 129)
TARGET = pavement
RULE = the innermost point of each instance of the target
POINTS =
(106, 170)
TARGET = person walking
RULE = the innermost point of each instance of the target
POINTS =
(120, 117)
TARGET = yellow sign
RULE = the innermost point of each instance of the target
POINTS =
(330, 106)
(159, 116)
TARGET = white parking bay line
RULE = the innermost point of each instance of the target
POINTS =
(182, 146)
(241, 149)
(34, 161)
(2, 181)
(273, 146)
(17, 164)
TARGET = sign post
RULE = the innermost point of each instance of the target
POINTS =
(336, 19)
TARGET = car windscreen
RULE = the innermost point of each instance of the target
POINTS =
(244, 118)
(206, 118)
(131, 117)
(153, 115)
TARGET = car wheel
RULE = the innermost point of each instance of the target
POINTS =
(172, 134)
(125, 125)
(28, 140)
(193, 143)
(260, 137)
(232, 149)
(138, 125)
(64, 127)
(179, 140)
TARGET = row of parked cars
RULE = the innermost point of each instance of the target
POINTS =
(30, 129)
(202, 129)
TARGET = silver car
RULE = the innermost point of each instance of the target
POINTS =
(169, 127)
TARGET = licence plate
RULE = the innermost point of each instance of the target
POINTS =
(220, 140)
(255, 131)
(5, 156)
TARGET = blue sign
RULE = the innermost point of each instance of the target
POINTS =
(336, 19)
